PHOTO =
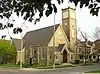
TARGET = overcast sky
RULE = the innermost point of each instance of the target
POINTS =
(85, 21)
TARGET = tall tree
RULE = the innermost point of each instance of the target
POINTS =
(7, 51)
(96, 34)
(84, 45)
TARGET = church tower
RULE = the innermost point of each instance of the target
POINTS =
(69, 26)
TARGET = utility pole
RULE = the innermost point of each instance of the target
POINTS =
(21, 53)
(76, 45)
(54, 44)
(21, 58)
(85, 45)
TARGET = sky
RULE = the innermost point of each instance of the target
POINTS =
(85, 22)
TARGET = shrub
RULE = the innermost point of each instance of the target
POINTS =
(77, 61)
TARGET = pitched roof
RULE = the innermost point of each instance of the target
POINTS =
(90, 43)
(97, 44)
(81, 43)
(57, 49)
(40, 36)
(17, 43)
(60, 47)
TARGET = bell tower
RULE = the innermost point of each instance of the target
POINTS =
(69, 26)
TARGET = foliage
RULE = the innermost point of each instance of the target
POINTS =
(7, 51)
(30, 8)
(26, 8)
(9, 65)
(77, 61)
(93, 5)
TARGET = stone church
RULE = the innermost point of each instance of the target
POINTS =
(41, 45)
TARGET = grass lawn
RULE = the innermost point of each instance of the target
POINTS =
(12, 66)
(94, 71)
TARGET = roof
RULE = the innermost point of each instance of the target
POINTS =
(57, 49)
(97, 44)
(17, 43)
(90, 43)
(81, 43)
(60, 47)
(40, 36)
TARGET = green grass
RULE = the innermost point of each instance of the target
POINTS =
(12, 66)
(94, 71)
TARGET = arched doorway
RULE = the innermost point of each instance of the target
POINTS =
(64, 56)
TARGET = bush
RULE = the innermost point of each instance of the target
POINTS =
(26, 65)
(77, 61)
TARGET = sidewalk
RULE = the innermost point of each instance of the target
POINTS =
(49, 68)
(33, 69)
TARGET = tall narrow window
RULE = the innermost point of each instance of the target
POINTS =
(43, 52)
(35, 52)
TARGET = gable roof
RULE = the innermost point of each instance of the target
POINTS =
(57, 49)
(60, 47)
(97, 44)
(40, 36)
(17, 43)
(81, 43)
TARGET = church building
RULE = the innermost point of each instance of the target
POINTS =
(41, 45)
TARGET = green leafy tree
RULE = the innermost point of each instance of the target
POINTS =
(7, 51)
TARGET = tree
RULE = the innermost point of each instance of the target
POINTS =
(96, 34)
(7, 51)
(85, 45)
(27, 9)
(93, 5)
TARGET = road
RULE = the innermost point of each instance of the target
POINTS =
(74, 70)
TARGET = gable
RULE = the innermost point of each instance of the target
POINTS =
(60, 38)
